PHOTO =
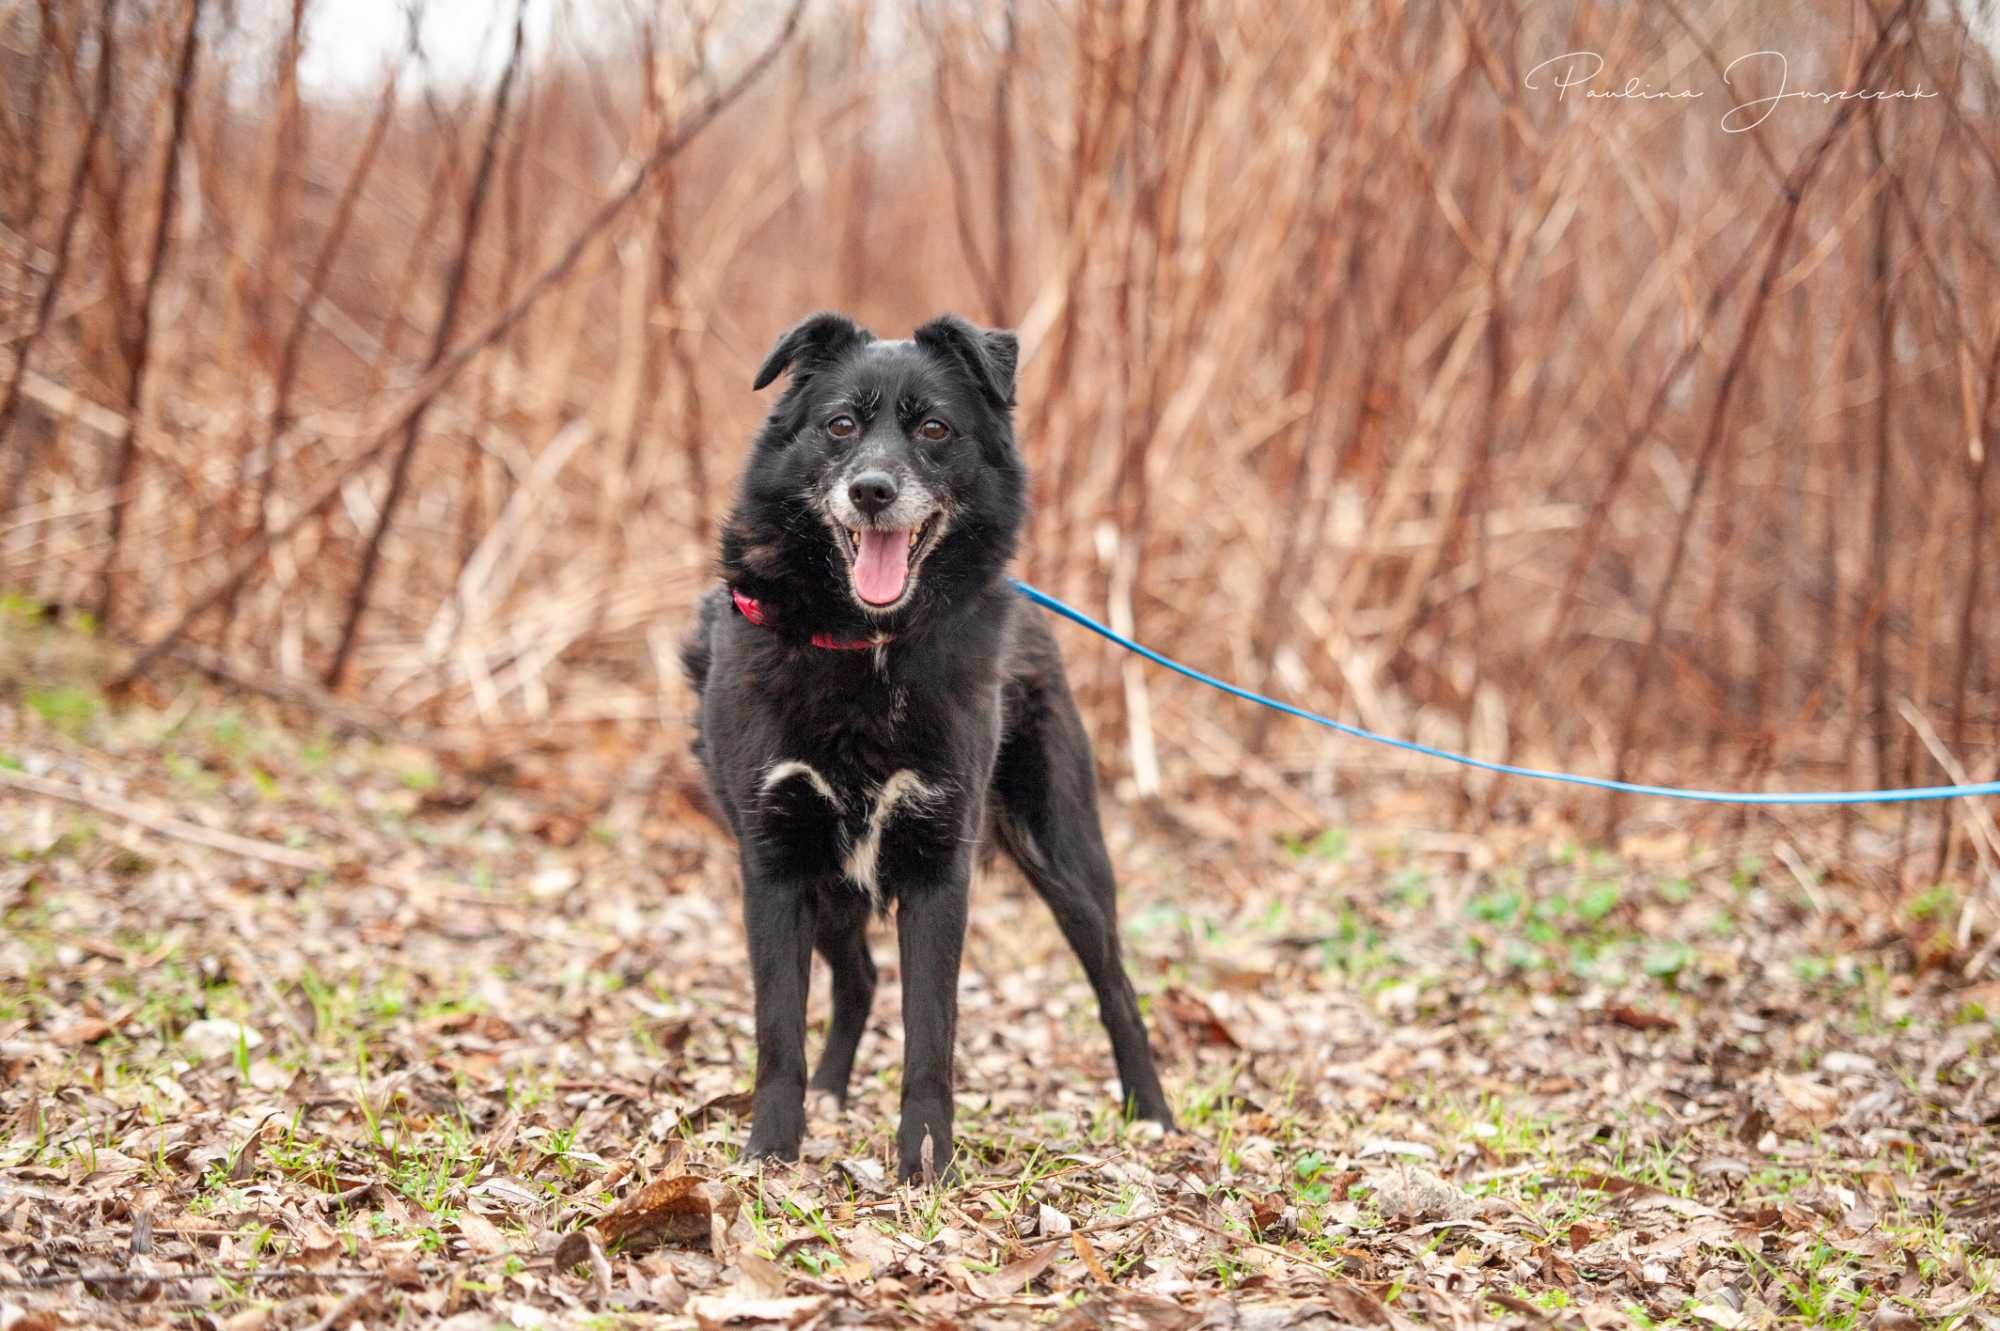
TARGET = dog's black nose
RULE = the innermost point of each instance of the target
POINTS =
(872, 491)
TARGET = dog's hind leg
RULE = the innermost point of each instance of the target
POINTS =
(843, 941)
(1048, 824)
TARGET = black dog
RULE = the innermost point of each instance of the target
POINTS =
(873, 708)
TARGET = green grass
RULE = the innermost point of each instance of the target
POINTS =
(69, 708)
(1386, 936)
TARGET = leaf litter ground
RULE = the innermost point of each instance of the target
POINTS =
(486, 1065)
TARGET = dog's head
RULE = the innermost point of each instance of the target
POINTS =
(885, 484)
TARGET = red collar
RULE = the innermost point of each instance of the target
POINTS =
(747, 606)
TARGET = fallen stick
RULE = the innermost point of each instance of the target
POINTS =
(194, 833)
(245, 1271)
(280, 688)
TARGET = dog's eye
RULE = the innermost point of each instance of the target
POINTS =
(842, 427)
(933, 429)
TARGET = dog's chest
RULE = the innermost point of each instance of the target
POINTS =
(878, 834)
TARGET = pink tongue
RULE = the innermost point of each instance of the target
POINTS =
(881, 565)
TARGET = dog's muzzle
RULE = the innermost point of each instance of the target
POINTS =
(885, 525)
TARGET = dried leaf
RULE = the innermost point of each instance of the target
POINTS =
(1357, 1306)
(761, 1278)
(713, 1312)
(1012, 1278)
(1088, 1255)
(600, 1268)
(88, 1031)
(1195, 1017)
(867, 1176)
(1639, 1019)
(481, 1234)
(1804, 1105)
(254, 1318)
(679, 1210)
(13, 1317)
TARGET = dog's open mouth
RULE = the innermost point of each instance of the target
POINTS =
(882, 559)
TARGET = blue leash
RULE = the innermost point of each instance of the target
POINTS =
(1068, 612)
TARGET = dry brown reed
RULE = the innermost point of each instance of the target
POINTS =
(1361, 365)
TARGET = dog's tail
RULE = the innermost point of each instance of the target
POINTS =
(697, 654)
(698, 651)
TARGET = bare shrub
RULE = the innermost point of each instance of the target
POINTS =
(1362, 365)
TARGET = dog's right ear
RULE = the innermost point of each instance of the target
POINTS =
(989, 355)
(810, 343)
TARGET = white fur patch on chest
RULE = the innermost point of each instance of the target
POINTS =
(778, 773)
(862, 855)
(902, 787)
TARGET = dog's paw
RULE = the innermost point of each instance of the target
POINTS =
(948, 1178)
(925, 1156)
(772, 1146)
(918, 1174)
(777, 1124)
(781, 1146)
(1150, 1109)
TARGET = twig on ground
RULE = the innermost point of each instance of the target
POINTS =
(347, 714)
(161, 824)
(245, 1271)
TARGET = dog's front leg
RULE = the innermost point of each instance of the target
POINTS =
(778, 916)
(930, 935)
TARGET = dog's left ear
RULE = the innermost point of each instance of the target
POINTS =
(989, 357)
(811, 342)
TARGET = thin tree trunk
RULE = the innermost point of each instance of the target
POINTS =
(456, 278)
(1876, 662)
(139, 341)
(1977, 568)
(17, 465)
(1003, 174)
(290, 352)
